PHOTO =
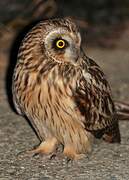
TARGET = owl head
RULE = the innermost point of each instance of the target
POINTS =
(52, 40)
(61, 40)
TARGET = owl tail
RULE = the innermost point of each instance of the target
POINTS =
(122, 110)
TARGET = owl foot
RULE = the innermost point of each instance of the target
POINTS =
(68, 155)
(46, 147)
(72, 155)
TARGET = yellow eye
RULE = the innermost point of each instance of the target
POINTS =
(60, 43)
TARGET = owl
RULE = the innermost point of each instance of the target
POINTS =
(63, 93)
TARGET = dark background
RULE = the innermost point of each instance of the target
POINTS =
(98, 19)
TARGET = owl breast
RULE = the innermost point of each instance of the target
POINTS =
(50, 104)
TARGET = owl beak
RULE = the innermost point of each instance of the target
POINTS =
(72, 54)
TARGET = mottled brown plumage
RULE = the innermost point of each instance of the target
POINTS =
(63, 93)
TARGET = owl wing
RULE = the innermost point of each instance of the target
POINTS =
(93, 97)
(16, 106)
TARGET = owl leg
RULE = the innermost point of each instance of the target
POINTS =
(77, 145)
(46, 147)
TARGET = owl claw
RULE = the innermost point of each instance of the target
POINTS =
(35, 154)
(20, 153)
(26, 153)
(60, 156)
(53, 156)
(69, 160)
(32, 153)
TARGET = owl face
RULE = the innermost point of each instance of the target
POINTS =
(62, 43)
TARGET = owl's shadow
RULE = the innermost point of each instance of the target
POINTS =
(13, 59)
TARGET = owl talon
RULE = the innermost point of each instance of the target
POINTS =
(26, 153)
(56, 155)
(35, 154)
(21, 153)
(53, 156)
(69, 160)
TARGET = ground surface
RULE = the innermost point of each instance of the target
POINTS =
(107, 161)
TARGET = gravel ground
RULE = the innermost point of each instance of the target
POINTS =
(107, 161)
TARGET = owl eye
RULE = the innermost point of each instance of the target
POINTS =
(60, 43)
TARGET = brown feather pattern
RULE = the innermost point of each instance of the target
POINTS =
(64, 100)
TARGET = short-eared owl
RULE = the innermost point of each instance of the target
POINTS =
(63, 93)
